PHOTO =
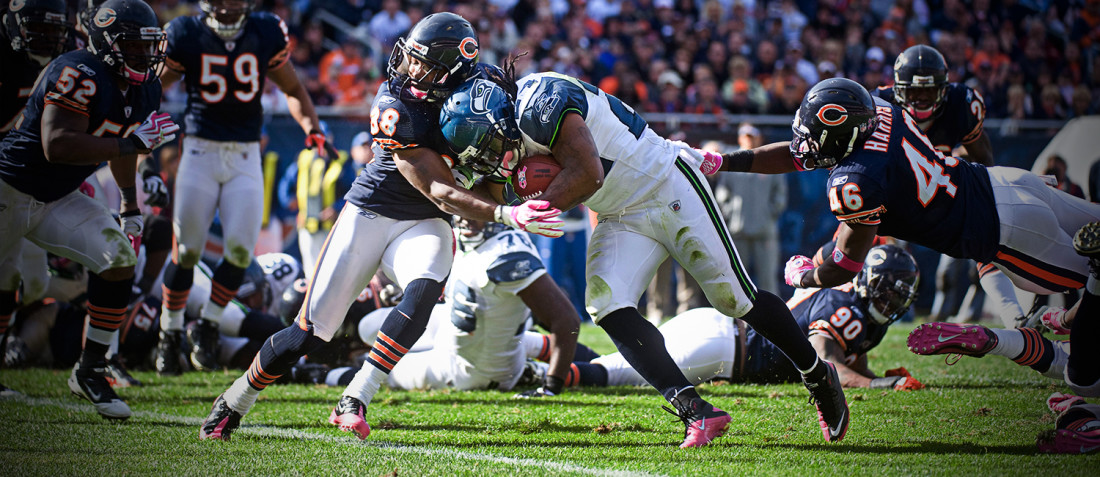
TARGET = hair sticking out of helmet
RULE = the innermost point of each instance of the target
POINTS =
(438, 54)
(888, 283)
(37, 28)
(920, 81)
(479, 123)
(226, 17)
(836, 116)
(125, 35)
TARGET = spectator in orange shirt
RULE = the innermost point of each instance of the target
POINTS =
(342, 71)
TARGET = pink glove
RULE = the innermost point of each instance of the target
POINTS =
(535, 216)
(1059, 402)
(712, 162)
(1054, 318)
(87, 189)
(156, 130)
(797, 266)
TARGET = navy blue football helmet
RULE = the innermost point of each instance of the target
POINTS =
(836, 116)
(920, 81)
(290, 301)
(445, 48)
(126, 35)
(479, 123)
(37, 28)
(888, 283)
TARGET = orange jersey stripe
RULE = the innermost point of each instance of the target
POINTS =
(1038, 272)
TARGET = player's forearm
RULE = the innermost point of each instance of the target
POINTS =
(301, 108)
(827, 275)
(456, 200)
(125, 172)
(82, 149)
(774, 158)
(564, 345)
(851, 379)
(582, 172)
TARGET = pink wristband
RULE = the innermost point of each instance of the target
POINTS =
(846, 263)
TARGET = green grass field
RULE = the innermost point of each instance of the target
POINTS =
(979, 417)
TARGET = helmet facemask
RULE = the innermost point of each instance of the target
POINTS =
(472, 233)
(922, 102)
(139, 56)
(807, 151)
(888, 283)
(418, 77)
(225, 17)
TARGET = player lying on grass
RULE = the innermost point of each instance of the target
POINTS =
(842, 324)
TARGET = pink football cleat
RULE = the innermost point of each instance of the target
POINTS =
(348, 415)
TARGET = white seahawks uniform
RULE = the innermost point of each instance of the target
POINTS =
(654, 202)
(478, 340)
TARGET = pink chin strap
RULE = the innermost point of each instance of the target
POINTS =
(133, 76)
(921, 115)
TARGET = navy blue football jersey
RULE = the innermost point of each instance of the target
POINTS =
(397, 125)
(225, 79)
(16, 81)
(912, 192)
(959, 120)
(835, 312)
(79, 82)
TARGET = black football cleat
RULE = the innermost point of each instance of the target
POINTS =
(91, 384)
(221, 422)
(167, 356)
(203, 336)
(832, 409)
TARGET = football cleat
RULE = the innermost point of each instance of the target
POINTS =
(952, 339)
(118, 376)
(203, 337)
(91, 384)
(702, 421)
(8, 392)
(348, 415)
(827, 395)
(167, 354)
(221, 422)
(307, 373)
(1087, 243)
(1077, 431)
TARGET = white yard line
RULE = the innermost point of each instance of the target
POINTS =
(272, 431)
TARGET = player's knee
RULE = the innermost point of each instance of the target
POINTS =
(117, 273)
(238, 255)
(726, 299)
(598, 299)
(188, 258)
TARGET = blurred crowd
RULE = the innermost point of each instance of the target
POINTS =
(1028, 58)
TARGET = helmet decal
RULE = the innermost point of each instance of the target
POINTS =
(16, 5)
(468, 48)
(105, 17)
(842, 115)
(875, 257)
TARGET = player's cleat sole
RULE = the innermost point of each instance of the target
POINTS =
(1087, 240)
(1065, 441)
(348, 416)
(221, 422)
(951, 338)
(91, 384)
(832, 408)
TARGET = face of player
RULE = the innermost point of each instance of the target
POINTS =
(923, 100)
(44, 40)
(422, 73)
(138, 56)
(229, 12)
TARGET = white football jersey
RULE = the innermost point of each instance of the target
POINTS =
(635, 159)
(487, 318)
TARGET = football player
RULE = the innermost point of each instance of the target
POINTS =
(32, 33)
(88, 106)
(652, 202)
(951, 115)
(224, 56)
(843, 325)
(395, 219)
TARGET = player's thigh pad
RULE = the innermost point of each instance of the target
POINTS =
(80, 228)
(347, 262)
(1039, 222)
(35, 271)
(622, 259)
(241, 200)
(419, 249)
(198, 186)
(696, 235)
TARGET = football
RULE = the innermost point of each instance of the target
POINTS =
(533, 175)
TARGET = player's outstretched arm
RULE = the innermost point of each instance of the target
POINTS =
(427, 171)
(828, 350)
(553, 310)
(581, 171)
(297, 98)
(774, 158)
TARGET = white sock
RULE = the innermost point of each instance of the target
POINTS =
(241, 396)
(213, 313)
(1061, 357)
(1010, 343)
(534, 344)
(230, 321)
(365, 383)
(171, 320)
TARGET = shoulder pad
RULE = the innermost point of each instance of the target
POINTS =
(513, 266)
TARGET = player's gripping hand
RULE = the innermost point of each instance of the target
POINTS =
(796, 267)
(535, 216)
(132, 225)
(156, 193)
(317, 140)
(712, 162)
(552, 386)
(156, 130)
